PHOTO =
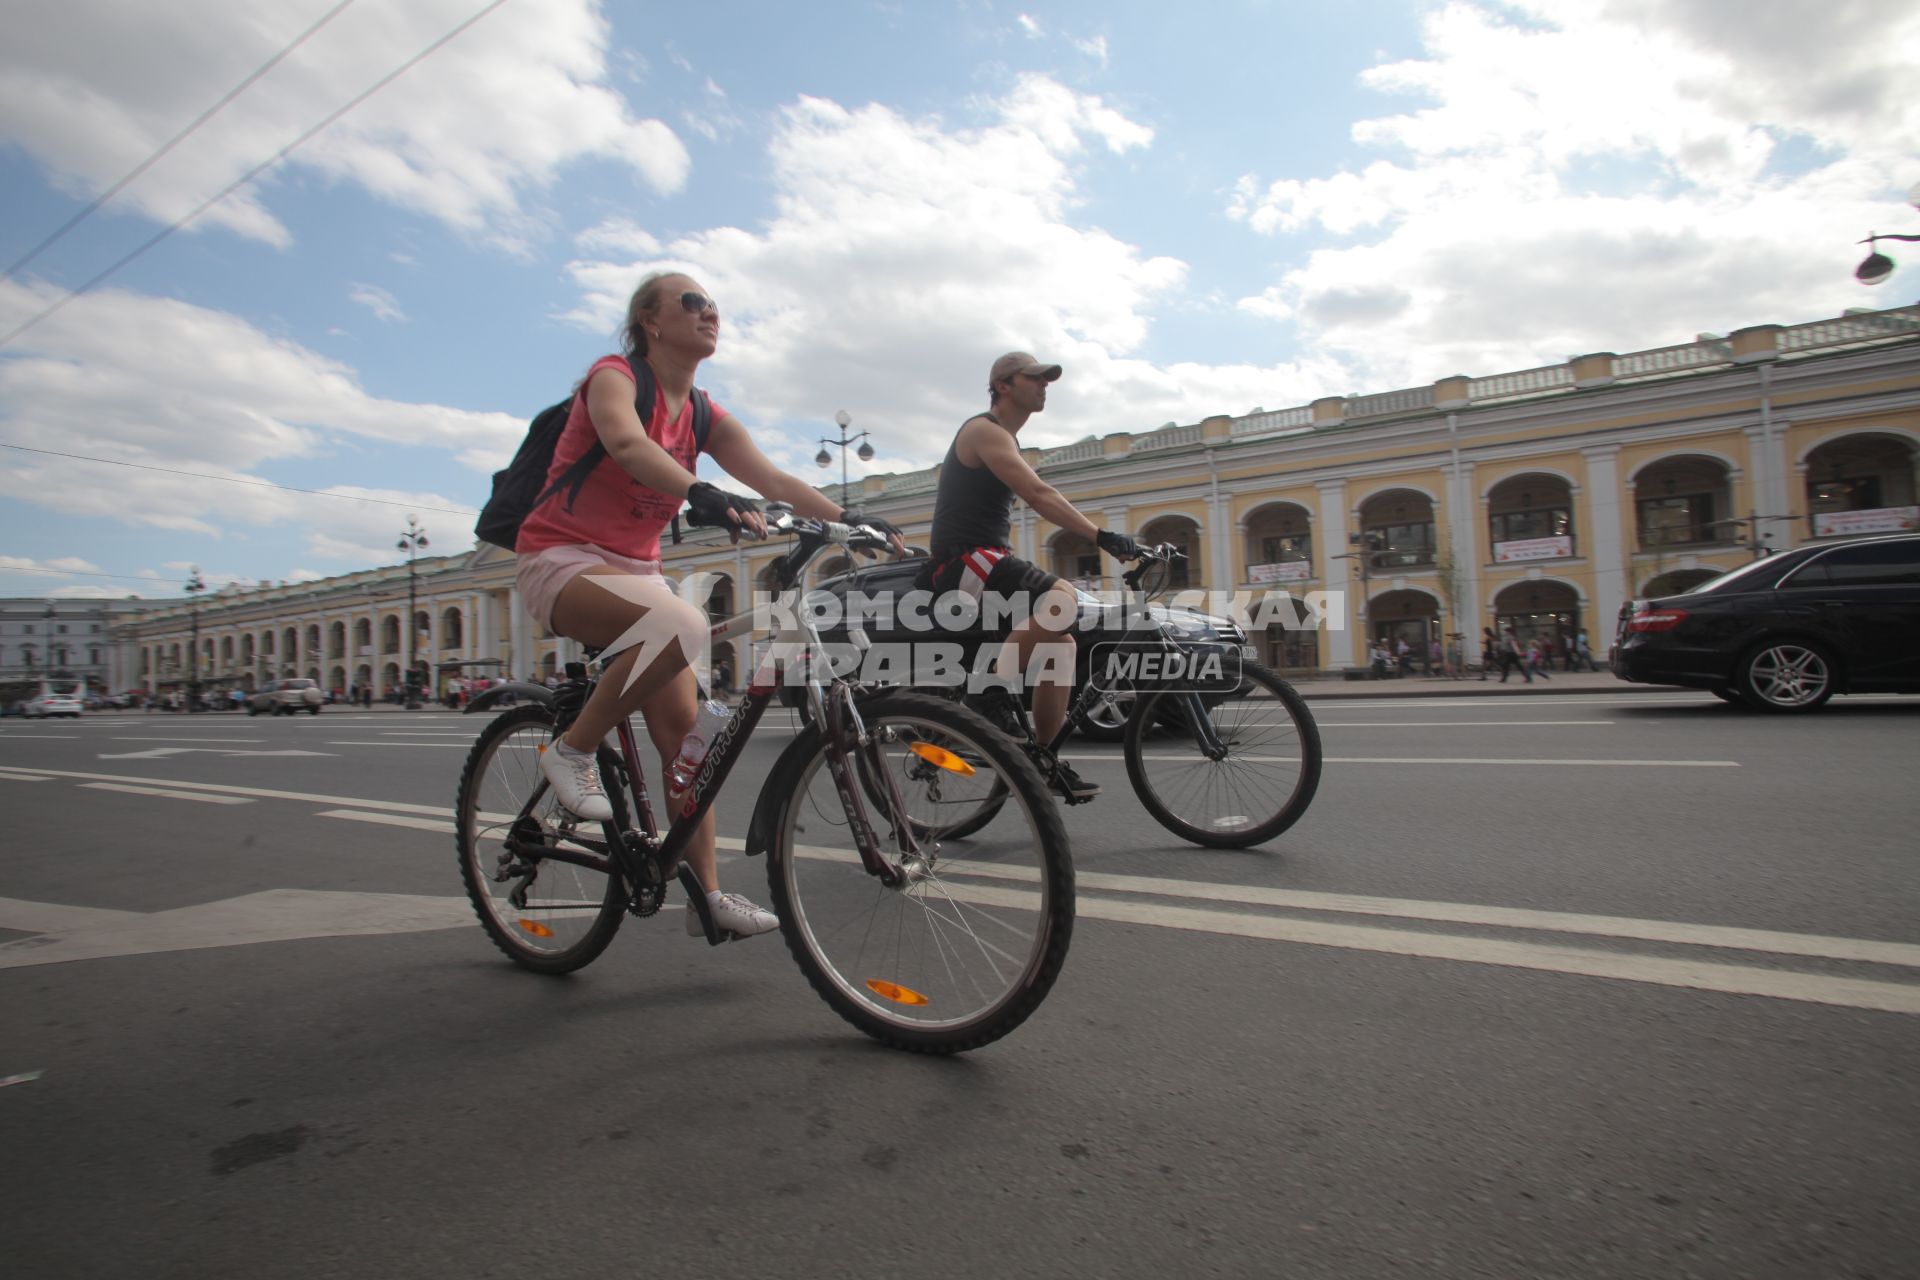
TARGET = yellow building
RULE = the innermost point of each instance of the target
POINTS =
(1541, 499)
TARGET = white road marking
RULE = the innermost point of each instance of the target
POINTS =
(165, 791)
(119, 738)
(26, 777)
(442, 825)
(54, 917)
(276, 915)
(355, 742)
(1447, 724)
(156, 753)
(263, 793)
(1194, 757)
(1728, 979)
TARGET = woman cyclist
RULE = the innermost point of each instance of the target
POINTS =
(590, 569)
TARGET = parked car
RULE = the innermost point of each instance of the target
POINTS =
(1194, 631)
(284, 697)
(1787, 632)
(53, 704)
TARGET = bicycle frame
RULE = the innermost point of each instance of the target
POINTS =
(834, 707)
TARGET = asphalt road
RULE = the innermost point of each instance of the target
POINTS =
(1591, 984)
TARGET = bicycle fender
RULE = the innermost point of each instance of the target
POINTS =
(781, 783)
(501, 692)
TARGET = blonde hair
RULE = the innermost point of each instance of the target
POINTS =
(645, 301)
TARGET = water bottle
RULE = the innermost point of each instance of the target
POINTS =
(693, 748)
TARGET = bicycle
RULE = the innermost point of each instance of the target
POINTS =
(1234, 760)
(919, 946)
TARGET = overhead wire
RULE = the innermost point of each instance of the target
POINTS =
(174, 141)
(248, 176)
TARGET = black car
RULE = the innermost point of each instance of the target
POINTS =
(1786, 632)
(1190, 629)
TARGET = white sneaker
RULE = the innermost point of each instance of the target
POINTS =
(576, 782)
(734, 915)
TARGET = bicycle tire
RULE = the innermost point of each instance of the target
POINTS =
(501, 771)
(1210, 802)
(876, 954)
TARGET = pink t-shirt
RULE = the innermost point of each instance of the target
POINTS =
(613, 510)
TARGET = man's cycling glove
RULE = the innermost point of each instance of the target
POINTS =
(1117, 545)
(709, 506)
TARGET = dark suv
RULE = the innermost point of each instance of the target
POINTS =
(1193, 631)
(1786, 632)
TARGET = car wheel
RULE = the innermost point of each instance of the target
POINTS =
(314, 710)
(1786, 676)
(1106, 720)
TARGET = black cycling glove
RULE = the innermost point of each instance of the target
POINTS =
(1117, 545)
(854, 515)
(708, 506)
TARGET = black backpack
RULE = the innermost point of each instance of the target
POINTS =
(523, 485)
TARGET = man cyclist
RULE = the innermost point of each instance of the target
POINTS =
(972, 519)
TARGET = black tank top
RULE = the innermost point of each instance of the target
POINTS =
(972, 507)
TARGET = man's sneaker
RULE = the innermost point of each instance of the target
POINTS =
(734, 915)
(1069, 785)
(576, 782)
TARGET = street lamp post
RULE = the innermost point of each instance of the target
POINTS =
(825, 459)
(412, 538)
(195, 585)
(1877, 266)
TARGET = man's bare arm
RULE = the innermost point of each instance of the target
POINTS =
(998, 452)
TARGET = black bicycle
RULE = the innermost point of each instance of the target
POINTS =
(920, 945)
(1221, 751)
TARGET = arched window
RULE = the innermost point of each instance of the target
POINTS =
(1683, 501)
(1183, 533)
(1530, 517)
(1399, 523)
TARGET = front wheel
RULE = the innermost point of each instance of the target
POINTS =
(969, 941)
(547, 914)
(1787, 675)
(1256, 782)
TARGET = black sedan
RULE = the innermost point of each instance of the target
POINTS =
(1097, 631)
(1786, 632)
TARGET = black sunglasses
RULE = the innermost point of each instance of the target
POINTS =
(694, 303)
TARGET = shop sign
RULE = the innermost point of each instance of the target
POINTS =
(1877, 520)
(1533, 549)
(1286, 571)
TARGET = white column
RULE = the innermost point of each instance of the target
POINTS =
(1466, 525)
(520, 633)
(1219, 543)
(1116, 519)
(1338, 574)
(1608, 555)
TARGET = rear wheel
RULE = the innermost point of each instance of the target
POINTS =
(1787, 676)
(545, 914)
(1263, 780)
(968, 944)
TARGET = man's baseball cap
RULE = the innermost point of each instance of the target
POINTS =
(1020, 362)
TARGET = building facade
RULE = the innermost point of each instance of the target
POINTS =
(63, 645)
(1541, 499)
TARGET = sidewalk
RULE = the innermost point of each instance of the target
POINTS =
(1316, 687)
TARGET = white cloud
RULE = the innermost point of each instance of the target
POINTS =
(1094, 47)
(463, 137)
(1598, 176)
(906, 254)
(132, 378)
(1031, 26)
(616, 235)
(379, 301)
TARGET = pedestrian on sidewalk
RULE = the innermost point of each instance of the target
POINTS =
(1510, 657)
(1586, 653)
(1536, 661)
(1489, 650)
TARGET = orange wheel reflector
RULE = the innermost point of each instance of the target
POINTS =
(535, 928)
(942, 757)
(890, 991)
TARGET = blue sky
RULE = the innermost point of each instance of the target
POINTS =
(1196, 209)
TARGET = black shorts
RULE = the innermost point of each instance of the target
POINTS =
(981, 571)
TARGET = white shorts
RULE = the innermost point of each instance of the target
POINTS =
(544, 573)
